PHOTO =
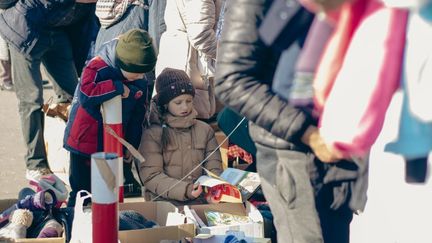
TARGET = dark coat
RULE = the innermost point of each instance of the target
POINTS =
(245, 73)
(243, 82)
(24, 23)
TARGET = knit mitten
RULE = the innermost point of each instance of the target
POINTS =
(52, 228)
(52, 182)
(20, 220)
(41, 200)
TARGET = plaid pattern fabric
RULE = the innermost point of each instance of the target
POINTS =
(235, 151)
(110, 11)
(70, 14)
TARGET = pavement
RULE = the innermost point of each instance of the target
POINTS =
(12, 149)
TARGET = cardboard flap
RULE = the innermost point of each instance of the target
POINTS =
(156, 211)
(232, 208)
(254, 213)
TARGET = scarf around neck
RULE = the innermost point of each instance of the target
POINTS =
(181, 121)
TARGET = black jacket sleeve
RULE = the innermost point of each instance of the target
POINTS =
(245, 68)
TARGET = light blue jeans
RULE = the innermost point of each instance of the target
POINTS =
(53, 50)
(156, 19)
(134, 17)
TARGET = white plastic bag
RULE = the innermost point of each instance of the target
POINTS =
(58, 157)
(82, 222)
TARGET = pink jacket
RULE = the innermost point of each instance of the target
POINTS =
(356, 103)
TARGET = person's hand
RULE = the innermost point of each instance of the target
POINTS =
(125, 92)
(196, 190)
(323, 151)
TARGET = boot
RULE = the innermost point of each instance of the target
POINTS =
(132, 188)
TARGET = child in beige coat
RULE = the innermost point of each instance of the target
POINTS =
(176, 142)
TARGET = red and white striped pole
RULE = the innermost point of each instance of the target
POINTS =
(112, 116)
(104, 175)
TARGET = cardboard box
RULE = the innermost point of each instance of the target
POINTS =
(6, 203)
(158, 212)
(253, 229)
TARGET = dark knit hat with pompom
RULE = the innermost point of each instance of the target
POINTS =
(172, 83)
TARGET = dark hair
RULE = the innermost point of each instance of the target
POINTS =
(165, 138)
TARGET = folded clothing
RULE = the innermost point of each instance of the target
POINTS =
(132, 220)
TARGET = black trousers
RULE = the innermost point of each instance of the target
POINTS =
(79, 176)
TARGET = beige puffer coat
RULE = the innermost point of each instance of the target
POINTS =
(189, 44)
(190, 142)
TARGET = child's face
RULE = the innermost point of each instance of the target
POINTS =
(181, 105)
(132, 76)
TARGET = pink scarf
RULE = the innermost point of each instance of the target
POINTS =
(359, 74)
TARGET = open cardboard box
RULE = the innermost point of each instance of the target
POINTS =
(253, 229)
(158, 212)
(6, 203)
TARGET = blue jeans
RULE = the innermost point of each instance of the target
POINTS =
(134, 17)
(53, 49)
(156, 19)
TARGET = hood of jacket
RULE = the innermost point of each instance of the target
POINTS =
(107, 53)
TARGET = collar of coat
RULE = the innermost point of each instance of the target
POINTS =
(181, 122)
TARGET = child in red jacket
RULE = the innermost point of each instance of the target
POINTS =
(118, 69)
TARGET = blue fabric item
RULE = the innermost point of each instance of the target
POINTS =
(33, 202)
(284, 74)
(25, 192)
(233, 239)
(156, 22)
(24, 23)
(132, 220)
(415, 136)
(135, 17)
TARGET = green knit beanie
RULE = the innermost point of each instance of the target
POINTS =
(135, 52)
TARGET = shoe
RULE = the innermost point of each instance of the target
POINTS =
(132, 190)
(60, 110)
(36, 174)
(7, 86)
(26, 191)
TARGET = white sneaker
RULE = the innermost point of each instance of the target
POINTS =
(35, 175)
